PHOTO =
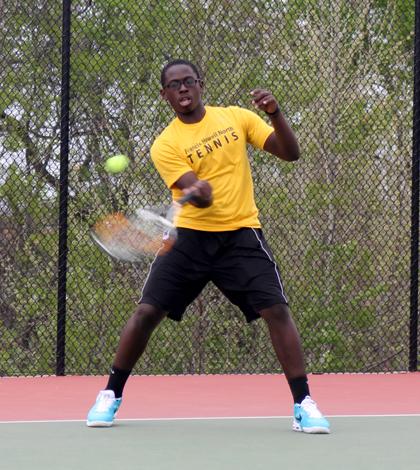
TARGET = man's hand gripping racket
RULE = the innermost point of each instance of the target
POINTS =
(132, 237)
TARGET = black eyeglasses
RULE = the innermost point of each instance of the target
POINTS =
(189, 82)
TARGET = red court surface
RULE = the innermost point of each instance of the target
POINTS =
(199, 396)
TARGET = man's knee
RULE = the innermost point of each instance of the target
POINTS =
(149, 314)
(278, 312)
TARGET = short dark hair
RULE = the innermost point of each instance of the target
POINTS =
(177, 62)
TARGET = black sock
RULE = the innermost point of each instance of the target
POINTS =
(117, 380)
(299, 388)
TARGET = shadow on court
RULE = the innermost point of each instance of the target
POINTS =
(371, 443)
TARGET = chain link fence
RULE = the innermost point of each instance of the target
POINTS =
(338, 220)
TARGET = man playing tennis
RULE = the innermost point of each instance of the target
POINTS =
(203, 151)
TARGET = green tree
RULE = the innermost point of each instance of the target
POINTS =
(338, 220)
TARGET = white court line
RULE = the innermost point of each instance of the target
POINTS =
(210, 418)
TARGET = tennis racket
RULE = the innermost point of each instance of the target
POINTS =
(142, 233)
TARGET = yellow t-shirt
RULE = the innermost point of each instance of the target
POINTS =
(215, 150)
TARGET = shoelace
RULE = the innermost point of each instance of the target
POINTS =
(105, 402)
(310, 407)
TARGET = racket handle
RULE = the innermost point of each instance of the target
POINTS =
(185, 199)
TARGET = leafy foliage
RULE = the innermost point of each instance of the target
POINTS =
(338, 221)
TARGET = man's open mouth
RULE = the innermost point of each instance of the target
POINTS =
(185, 101)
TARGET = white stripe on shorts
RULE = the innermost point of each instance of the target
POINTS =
(272, 260)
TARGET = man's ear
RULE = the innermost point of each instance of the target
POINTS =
(163, 94)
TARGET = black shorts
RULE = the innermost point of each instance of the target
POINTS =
(238, 262)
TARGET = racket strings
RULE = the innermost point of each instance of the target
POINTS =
(131, 237)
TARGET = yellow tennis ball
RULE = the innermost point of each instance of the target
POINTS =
(117, 163)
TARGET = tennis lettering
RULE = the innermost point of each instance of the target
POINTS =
(213, 142)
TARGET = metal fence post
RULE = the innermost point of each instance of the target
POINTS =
(63, 204)
(414, 278)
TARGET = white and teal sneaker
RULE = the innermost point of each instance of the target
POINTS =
(104, 410)
(307, 418)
